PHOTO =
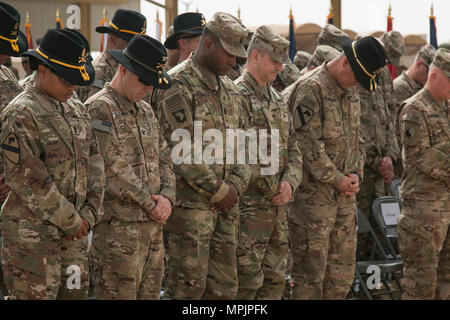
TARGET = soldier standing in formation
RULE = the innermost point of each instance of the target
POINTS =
(423, 228)
(127, 246)
(203, 228)
(263, 236)
(123, 26)
(56, 174)
(322, 222)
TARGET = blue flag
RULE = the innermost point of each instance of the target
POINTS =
(433, 38)
(292, 46)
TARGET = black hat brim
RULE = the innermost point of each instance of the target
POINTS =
(123, 35)
(5, 46)
(171, 42)
(69, 74)
(362, 78)
(148, 78)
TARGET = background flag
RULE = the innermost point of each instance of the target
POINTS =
(104, 36)
(158, 27)
(28, 32)
(292, 46)
(433, 37)
(392, 68)
(59, 23)
(330, 15)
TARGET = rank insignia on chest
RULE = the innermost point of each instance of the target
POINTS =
(11, 148)
(302, 116)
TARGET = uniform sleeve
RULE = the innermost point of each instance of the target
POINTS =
(241, 173)
(28, 177)
(433, 161)
(307, 112)
(93, 211)
(392, 149)
(121, 181)
(293, 172)
(166, 172)
(175, 117)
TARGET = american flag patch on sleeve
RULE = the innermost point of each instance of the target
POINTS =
(101, 125)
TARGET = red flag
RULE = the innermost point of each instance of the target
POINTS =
(392, 68)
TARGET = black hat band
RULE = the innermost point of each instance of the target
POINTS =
(158, 71)
(82, 68)
(111, 24)
(373, 83)
(14, 45)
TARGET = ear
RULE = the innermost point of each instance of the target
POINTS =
(43, 71)
(208, 43)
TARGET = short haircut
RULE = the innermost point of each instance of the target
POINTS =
(256, 45)
(206, 33)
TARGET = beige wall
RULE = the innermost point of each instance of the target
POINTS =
(43, 15)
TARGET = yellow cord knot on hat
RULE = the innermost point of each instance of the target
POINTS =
(82, 69)
(13, 42)
(372, 76)
(160, 69)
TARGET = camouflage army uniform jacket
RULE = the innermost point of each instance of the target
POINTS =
(386, 86)
(105, 68)
(9, 87)
(377, 128)
(137, 157)
(264, 108)
(327, 121)
(214, 101)
(28, 79)
(52, 164)
(425, 134)
(404, 88)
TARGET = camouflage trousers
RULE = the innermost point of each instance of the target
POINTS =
(322, 240)
(372, 187)
(424, 243)
(262, 250)
(128, 260)
(202, 261)
(38, 263)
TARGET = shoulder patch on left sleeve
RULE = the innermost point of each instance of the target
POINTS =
(11, 148)
(302, 116)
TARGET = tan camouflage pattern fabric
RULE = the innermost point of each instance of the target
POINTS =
(105, 68)
(378, 132)
(426, 53)
(323, 53)
(9, 87)
(263, 238)
(322, 223)
(127, 247)
(442, 60)
(424, 222)
(330, 35)
(202, 245)
(276, 45)
(53, 165)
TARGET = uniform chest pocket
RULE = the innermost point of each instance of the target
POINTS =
(127, 134)
(437, 130)
(56, 137)
(205, 111)
(148, 129)
(82, 134)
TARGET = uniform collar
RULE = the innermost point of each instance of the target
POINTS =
(209, 78)
(123, 103)
(113, 64)
(430, 99)
(54, 105)
(411, 82)
(337, 88)
(260, 92)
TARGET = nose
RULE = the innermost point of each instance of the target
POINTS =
(279, 67)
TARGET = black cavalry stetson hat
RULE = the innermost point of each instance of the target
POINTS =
(367, 58)
(89, 66)
(12, 41)
(125, 24)
(145, 57)
(189, 24)
(64, 52)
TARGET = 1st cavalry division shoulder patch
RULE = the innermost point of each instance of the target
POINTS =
(11, 148)
(302, 116)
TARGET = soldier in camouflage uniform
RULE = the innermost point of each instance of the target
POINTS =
(263, 236)
(330, 35)
(187, 28)
(123, 26)
(286, 77)
(203, 228)
(408, 84)
(56, 174)
(423, 228)
(9, 88)
(322, 222)
(173, 55)
(127, 248)
(301, 59)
